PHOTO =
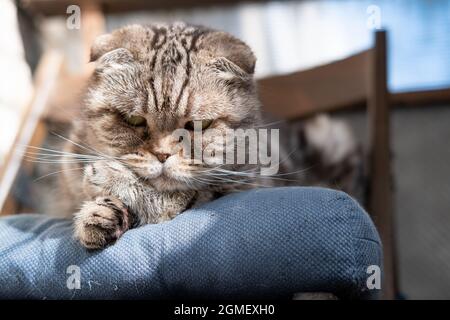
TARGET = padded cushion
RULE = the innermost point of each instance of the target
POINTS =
(265, 243)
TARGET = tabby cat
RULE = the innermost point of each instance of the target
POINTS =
(148, 82)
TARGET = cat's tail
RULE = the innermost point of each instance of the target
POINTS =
(335, 156)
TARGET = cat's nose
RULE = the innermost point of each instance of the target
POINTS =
(162, 157)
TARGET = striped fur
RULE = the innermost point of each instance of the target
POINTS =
(168, 74)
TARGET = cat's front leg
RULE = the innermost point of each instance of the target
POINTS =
(144, 202)
(101, 222)
(138, 201)
(104, 217)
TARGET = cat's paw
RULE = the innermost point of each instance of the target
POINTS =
(101, 222)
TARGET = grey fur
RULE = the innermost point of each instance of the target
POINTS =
(169, 75)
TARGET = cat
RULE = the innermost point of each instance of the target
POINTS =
(123, 164)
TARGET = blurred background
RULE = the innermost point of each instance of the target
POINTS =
(43, 61)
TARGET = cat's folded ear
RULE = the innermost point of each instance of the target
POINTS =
(106, 50)
(102, 44)
(228, 70)
(231, 57)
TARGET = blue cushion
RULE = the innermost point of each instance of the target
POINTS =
(266, 243)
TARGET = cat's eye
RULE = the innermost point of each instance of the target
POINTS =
(136, 121)
(190, 125)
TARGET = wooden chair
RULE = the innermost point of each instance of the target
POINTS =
(356, 81)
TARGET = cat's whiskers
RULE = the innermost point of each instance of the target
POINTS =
(87, 148)
(255, 175)
(264, 125)
(56, 172)
(91, 149)
(237, 182)
(202, 181)
(54, 153)
(57, 157)
(59, 161)
(99, 154)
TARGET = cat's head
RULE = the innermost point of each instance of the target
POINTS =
(152, 80)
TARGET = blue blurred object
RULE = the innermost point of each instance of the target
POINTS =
(264, 243)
